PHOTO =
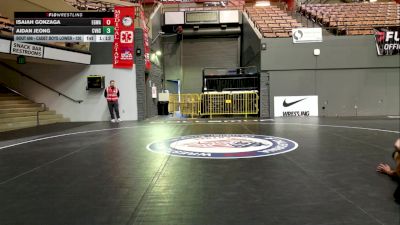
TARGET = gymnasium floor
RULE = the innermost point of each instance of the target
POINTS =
(103, 174)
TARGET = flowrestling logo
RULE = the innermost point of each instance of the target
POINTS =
(223, 146)
(387, 41)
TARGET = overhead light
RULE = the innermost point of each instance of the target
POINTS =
(158, 53)
(262, 3)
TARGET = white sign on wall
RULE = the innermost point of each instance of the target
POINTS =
(154, 92)
(174, 18)
(289, 106)
(5, 46)
(307, 35)
(19, 48)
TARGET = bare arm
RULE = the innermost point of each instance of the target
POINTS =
(397, 157)
(385, 169)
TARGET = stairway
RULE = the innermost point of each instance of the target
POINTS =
(17, 112)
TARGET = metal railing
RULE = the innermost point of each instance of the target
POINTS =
(38, 82)
(213, 104)
(183, 7)
(44, 108)
(43, 105)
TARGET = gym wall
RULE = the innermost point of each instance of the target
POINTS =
(347, 73)
(187, 58)
(70, 79)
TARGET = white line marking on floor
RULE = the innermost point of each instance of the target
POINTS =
(339, 126)
(63, 135)
(120, 128)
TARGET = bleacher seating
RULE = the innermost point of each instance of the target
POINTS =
(353, 18)
(271, 21)
(6, 26)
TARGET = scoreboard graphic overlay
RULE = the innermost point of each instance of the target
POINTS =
(64, 27)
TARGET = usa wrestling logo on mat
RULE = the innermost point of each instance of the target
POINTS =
(223, 146)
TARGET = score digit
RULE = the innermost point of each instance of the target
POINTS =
(108, 21)
(108, 30)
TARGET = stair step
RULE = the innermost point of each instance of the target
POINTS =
(20, 105)
(23, 114)
(16, 97)
(18, 112)
(19, 125)
(16, 101)
(29, 118)
(15, 110)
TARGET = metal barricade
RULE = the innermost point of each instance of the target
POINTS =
(243, 103)
(186, 104)
(210, 104)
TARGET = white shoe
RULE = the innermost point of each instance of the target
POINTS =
(119, 120)
(113, 121)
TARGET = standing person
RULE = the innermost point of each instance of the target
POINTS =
(394, 173)
(112, 94)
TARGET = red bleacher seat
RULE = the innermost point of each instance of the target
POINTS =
(272, 21)
(357, 18)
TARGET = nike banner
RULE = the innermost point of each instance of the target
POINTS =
(123, 37)
(292, 106)
(387, 41)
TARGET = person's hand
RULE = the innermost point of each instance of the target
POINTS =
(384, 168)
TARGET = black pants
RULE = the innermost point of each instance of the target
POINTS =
(113, 106)
(396, 194)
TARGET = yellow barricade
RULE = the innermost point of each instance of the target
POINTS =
(188, 104)
(209, 104)
(243, 103)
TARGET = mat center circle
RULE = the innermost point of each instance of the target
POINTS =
(223, 146)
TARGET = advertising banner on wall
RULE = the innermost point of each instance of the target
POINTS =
(123, 37)
(387, 41)
(307, 35)
(146, 41)
(295, 106)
